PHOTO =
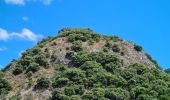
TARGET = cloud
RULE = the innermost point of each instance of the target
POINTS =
(23, 2)
(15, 2)
(25, 34)
(25, 18)
(3, 34)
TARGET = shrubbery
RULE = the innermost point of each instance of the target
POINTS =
(4, 86)
(33, 67)
(18, 70)
(42, 83)
(138, 48)
(77, 46)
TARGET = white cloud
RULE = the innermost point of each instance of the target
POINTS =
(25, 18)
(25, 34)
(15, 2)
(23, 2)
(3, 34)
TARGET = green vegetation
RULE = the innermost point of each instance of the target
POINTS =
(90, 75)
(138, 48)
(113, 47)
(167, 70)
(42, 83)
(4, 86)
(80, 35)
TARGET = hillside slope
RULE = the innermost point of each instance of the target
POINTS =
(80, 64)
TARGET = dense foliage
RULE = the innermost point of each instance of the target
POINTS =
(4, 86)
(102, 75)
(92, 75)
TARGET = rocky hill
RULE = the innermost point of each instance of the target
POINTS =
(79, 64)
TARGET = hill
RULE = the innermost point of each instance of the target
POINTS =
(79, 64)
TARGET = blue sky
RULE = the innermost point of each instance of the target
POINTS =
(145, 22)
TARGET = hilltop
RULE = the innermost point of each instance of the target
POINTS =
(79, 64)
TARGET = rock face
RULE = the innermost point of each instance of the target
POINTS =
(77, 58)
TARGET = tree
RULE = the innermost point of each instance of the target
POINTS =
(18, 70)
(77, 46)
(116, 48)
(117, 94)
(138, 48)
(60, 82)
(167, 70)
(59, 95)
(33, 67)
(4, 86)
(75, 75)
(42, 83)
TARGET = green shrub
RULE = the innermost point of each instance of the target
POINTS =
(4, 86)
(167, 70)
(69, 91)
(42, 83)
(77, 46)
(33, 67)
(1, 74)
(117, 94)
(116, 48)
(88, 96)
(91, 68)
(75, 97)
(111, 67)
(137, 91)
(60, 67)
(138, 48)
(60, 82)
(140, 69)
(59, 95)
(41, 60)
(18, 70)
(98, 93)
(79, 89)
(75, 75)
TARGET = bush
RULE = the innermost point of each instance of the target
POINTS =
(91, 67)
(4, 86)
(75, 75)
(18, 70)
(88, 96)
(98, 93)
(116, 48)
(138, 48)
(59, 95)
(137, 91)
(75, 97)
(69, 91)
(41, 60)
(111, 67)
(117, 94)
(42, 83)
(167, 70)
(79, 89)
(77, 46)
(33, 67)
(140, 69)
(1, 74)
(60, 82)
